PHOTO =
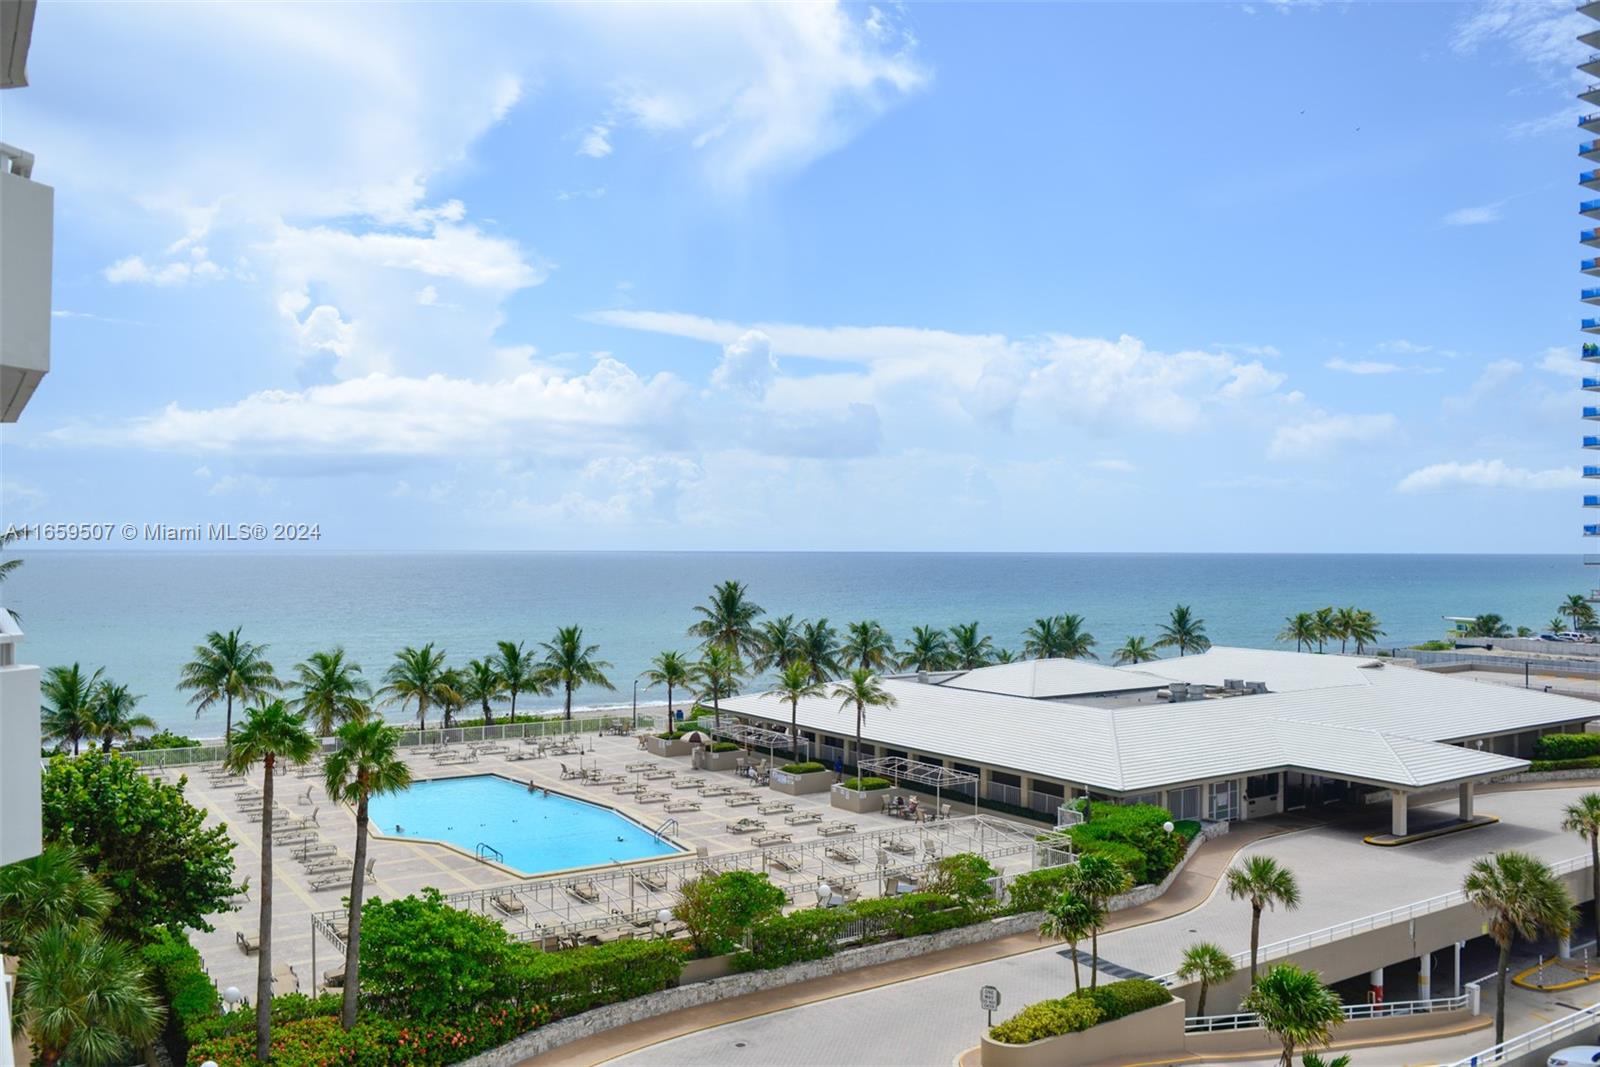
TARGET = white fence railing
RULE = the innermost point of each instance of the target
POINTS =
(1206, 1024)
(1534, 1039)
(1376, 921)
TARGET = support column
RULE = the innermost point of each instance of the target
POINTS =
(1425, 976)
(1026, 788)
(1465, 798)
(1564, 948)
(1397, 817)
(1376, 981)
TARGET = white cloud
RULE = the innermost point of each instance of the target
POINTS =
(1474, 216)
(1402, 347)
(1362, 366)
(1491, 382)
(1316, 438)
(748, 365)
(1119, 466)
(1542, 33)
(134, 270)
(1563, 362)
(596, 142)
(1484, 474)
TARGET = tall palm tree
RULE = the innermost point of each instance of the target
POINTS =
(1582, 817)
(570, 663)
(1325, 628)
(228, 668)
(862, 690)
(1183, 632)
(331, 690)
(1523, 898)
(69, 714)
(927, 650)
(671, 669)
(779, 641)
(482, 684)
(717, 676)
(367, 764)
(1207, 962)
(519, 670)
(1071, 917)
(1364, 630)
(1004, 655)
(1301, 628)
(1577, 608)
(969, 648)
(1098, 879)
(270, 732)
(1488, 625)
(1265, 884)
(452, 695)
(1296, 1008)
(795, 683)
(1042, 640)
(819, 644)
(83, 998)
(113, 717)
(415, 677)
(728, 618)
(867, 645)
(1344, 625)
(44, 890)
(9, 566)
(1133, 650)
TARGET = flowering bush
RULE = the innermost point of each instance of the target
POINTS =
(375, 1041)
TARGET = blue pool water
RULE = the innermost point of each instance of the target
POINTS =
(536, 832)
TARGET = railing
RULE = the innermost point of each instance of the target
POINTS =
(484, 850)
(1534, 1039)
(1586, 149)
(1588, 120)
(1587, 236)
(1210, 1024)
(1591, 413)
(1591, 383)
(668, 827)
(1376, 921)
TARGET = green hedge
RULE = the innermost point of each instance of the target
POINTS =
(376, 1041)
(1080, 1011)
(181, 980)
(865, 784)
(813, 933)
(582, 978)
(1585, 763)
(1033, 890)
(164, 739)
(1132, 835)
(806, 935)
(1567, 746)
(724, 746)
(804, 768)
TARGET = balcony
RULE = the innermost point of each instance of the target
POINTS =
(1590, 325)
(1591, 65)
(1590, 39)
(1590, 238)
(1592, 414)
(1592, 9)
(27, 213)
(1590, 352)
(1591, 95)
(1591, 501)
(1592, 530)
(20, 814)
(1591, 208)
(1591, 472)
(1590, 150)
(1591, 442)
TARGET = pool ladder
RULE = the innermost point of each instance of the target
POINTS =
(670, 826)
(485, 850)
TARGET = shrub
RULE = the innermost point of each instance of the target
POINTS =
(376, 1041)
(911, 915)
(803, 768)
(180, 978)
(1564, 764)
(288, 1008)
(724, 746)
(1048, 1018)
(1129, 857)
(866, 783)
(719, 908)
(1116, 999)
(1132, 835)
(1189, 828)
(1566, 746)
(164, 739)
(582, 978)
(1435, 646)
(1035, 889)
(423, 959)
(964, 876)
(784, 939)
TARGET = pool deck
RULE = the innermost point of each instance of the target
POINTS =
(403, 867)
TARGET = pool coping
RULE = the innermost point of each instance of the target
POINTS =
(374, 829)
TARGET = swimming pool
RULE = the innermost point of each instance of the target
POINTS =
(534, 832)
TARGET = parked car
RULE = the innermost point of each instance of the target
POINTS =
(1573, 1055)
(1572, 635)
(1549, 637)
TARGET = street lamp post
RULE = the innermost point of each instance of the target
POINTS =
(636, 705)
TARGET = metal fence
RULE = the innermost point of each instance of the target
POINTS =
(1210, 1024)
(1534, 1040)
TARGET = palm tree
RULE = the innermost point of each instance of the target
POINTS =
(1325, 626)
(83, 998)
(927, 650)
(1313, 1059)
(1265, 884)
(1523, 898)
(366, 765)
(1582, 817)
(9, 566)
(451, 695)
(1295, 1007)
(112, 715)
(228, 668)
(1490, 625)
(1071, 917)
(1098, 879)
(570, 663)
(728, 618)
(1133, 650)
(1207, 962)
(671, 669)
(1344, 626)
(1556, 625)
(779, 642)
(69, 715)
(1183, 632)
(270, 732)
(819, 646)
(330, 690)
(1004, 655)
(519, 670)
(717, 675)
(415, 677)
(1301, 629)
(868, 646)
(1058, 637)
(1364, 630)
(482, 684)
(1577, 608)
(795, 684)
(968, 648)
(861, 689)
(44, 890)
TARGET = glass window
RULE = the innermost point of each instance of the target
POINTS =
(1222, 800)
(1184, 803)
(1002, 778)
(1261, 785)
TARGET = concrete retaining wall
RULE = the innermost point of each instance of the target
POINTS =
(1154, 1032)
(565, 1031)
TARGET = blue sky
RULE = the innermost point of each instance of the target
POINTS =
(1254, 277)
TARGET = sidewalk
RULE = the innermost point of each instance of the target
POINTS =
(1190, 889)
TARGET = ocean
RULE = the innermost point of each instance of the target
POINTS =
(139, 615)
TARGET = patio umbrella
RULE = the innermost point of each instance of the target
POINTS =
(696, 737)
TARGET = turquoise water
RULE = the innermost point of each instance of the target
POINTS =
(139, 614)
(536, 832)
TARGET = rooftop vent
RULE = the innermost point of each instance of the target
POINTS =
(1233, 683)
(1255, 687)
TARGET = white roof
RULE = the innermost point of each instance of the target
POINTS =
(1338, 716)
(1053, 678)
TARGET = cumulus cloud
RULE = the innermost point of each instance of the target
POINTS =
(1484, 474)
(1316, 438)
(596, 143)
(1362, 366)
(748, 365)
(1474, 216)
